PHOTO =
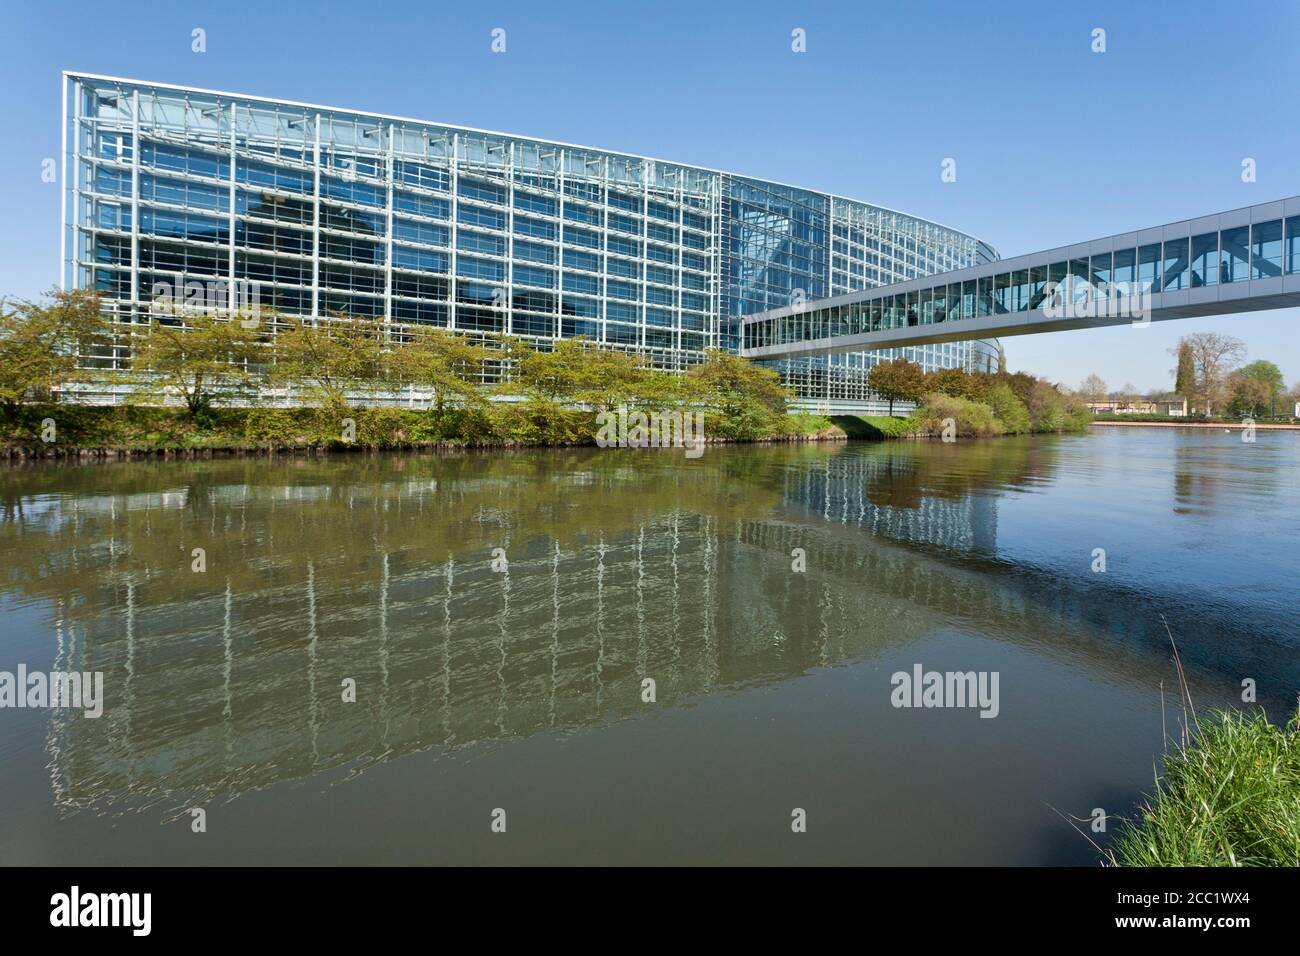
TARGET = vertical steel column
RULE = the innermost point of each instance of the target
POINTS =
(604, 248)
(679, 197)
(135, 201)
(315, 227)
(508, 320)
(388, 253)
(713, 336)
(230, 291)
(647, 167)
(455, 230)
(64, 186)
(559, 235)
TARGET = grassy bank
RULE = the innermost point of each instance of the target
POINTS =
(151, 430)
(876, 427)
(1230, 797)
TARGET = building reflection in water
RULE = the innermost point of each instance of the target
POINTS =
(620, 566)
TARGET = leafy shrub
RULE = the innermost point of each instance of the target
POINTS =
(539, 421)
(383, 427)
(972, 419)
(271, 427)
(1046, 408)
(1077, 417)
(1009, 410)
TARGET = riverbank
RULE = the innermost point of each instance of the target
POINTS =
(71, 432)
(1212, 425)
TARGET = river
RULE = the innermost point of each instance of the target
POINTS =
(509, 686)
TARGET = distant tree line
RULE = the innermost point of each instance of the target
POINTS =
(1209, 373)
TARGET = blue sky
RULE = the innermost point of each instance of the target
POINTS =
(1053, 143)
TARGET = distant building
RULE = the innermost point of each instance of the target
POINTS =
(1171, 405)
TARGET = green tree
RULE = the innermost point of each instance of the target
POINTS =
(1258, 386)
(43, 345)
(954, 381)
(448, 363)
(200, 357)
(1046, 407)
(1185, 375)
(1009, 410)
(550, 375)
(611, 377)
(897, 381)
(331, 357)
(750, 398)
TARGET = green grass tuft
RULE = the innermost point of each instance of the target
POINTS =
(1231, 797)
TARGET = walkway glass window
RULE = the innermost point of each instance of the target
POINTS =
(1234, 254)
(1175, 268)
(1291, 251)
(1125, 272)
(1266, 249)
(1205, 259)
(1149, 267)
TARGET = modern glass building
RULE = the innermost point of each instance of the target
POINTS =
(325, 212)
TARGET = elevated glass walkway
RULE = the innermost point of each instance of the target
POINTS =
(1243, 260)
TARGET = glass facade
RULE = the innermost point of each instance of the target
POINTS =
(326, 212)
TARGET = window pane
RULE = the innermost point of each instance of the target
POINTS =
(1234, 256)
(1037, 286)
(1002, 293)
(1020, 292)
(1292, 252)
(1056, 277)
(1149, 268)
(1175, 274)
(984, 302)
(1205, 259)
(1125, 272)
(1100, 273)
(1266, 249)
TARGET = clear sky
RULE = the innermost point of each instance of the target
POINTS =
(1053, 143)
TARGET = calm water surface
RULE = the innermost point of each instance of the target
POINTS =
(521, 689)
